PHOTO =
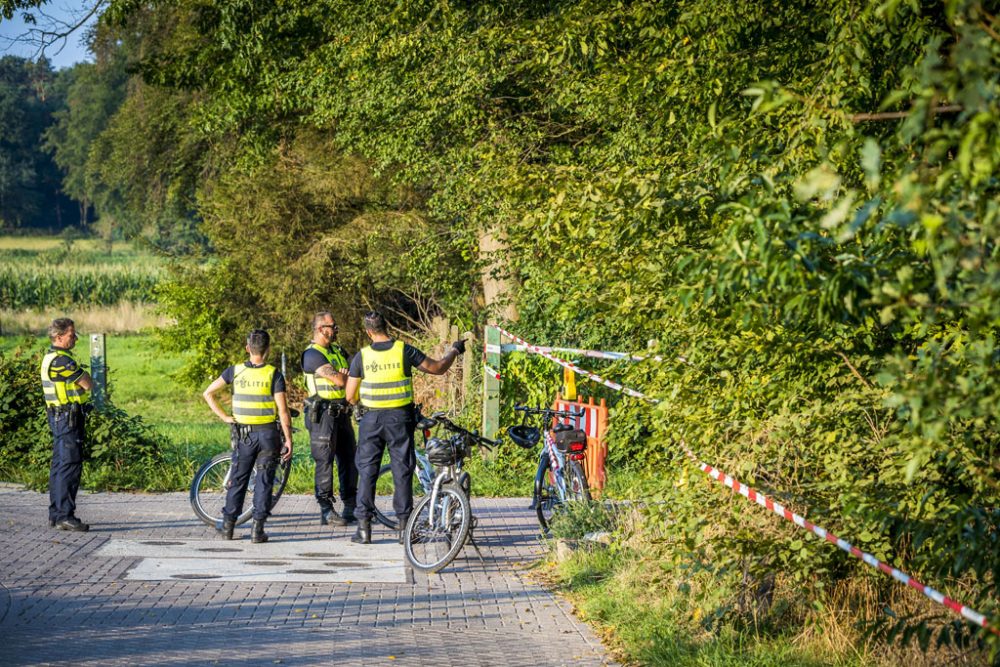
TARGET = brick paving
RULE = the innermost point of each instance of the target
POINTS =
(63, 603)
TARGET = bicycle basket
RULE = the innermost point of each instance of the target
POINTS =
(524, 436)
(573, 436)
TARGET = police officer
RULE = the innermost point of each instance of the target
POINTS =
(258, 405)
(383, 372)
(324, 364)
(65, 386)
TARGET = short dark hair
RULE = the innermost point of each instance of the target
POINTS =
(258, 341)
(59, 326)
(321, 315)
(375, 322)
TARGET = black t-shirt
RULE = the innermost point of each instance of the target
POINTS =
(277, 380)
(313, 358)
(411, 357)
(64, 368)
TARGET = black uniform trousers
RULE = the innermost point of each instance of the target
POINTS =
(256, 450)
(329, 439)
(68, 430)
(377, 430)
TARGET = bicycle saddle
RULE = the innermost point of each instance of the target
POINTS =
(524, 436)
(426, 423)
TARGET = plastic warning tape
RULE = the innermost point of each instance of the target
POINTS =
(490, 371)
(573, 367)
(593, 354)
(755, 496)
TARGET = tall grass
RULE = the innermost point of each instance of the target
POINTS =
(653, 611)
(122, 317)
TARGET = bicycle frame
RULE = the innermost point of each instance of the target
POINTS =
(557, 461)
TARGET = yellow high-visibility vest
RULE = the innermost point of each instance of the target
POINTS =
(385, 385)
(253, 402)
(59, 391)
(322, 387)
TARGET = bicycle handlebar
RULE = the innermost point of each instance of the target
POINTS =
(548, 412)
(441, 419)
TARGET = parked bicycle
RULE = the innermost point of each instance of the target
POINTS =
(560, 477)
(212, 481)
(442, 521)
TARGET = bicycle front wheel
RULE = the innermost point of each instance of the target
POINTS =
(211, 483)
(436, 531)
(546, 494)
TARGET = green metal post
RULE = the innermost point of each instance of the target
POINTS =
(98, 370)
(491, 386)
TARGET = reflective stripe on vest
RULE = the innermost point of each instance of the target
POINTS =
(384, 384)
(321, 386)
(253, 402)
(59, 392)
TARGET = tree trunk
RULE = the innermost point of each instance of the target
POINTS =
(498, 292)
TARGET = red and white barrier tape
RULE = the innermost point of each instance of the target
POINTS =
(762, 500)
(573, 367)
(594, 354)
(490, 371)
(900, 576)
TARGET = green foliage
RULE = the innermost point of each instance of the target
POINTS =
(29, 181)
(123, 452)
(707, 178)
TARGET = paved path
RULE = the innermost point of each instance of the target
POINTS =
(82, 598)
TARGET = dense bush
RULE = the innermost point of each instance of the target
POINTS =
(122, 451)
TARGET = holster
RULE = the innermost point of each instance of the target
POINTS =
(237, 434)
(315, 406)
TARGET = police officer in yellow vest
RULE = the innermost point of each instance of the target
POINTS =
(258, 407)
(65, 386)
(324, 364)
(383, 373)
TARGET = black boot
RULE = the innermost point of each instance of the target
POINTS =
(402, 528)
(227, 529)
(257, 534)
(364, 532)
(348, 514)
(330, 516)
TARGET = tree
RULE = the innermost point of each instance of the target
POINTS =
(29, 181)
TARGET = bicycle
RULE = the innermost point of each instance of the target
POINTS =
(442, 522)
(211, 482)
(560, 477)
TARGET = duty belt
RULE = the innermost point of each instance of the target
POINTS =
(254, 428)
(65, 409)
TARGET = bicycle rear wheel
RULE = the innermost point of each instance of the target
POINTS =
(431, 543)
(577, 488)
(211, 482)
(384, 513)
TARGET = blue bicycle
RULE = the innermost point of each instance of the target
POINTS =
(560, 477)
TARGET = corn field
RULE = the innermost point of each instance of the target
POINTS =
(52, 286)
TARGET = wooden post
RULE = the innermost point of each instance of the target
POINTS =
(98, 370)
(452, 384)
(491, 386)
(470, 351)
